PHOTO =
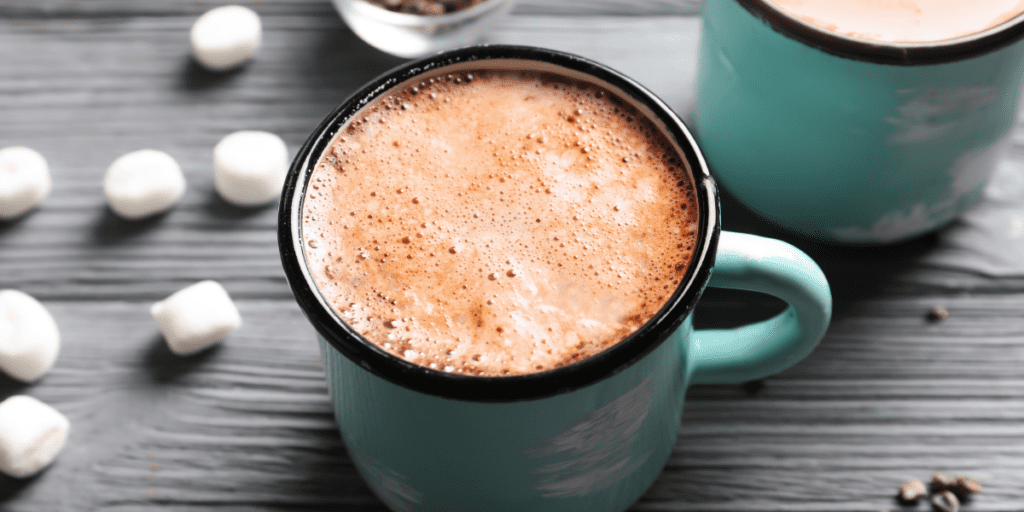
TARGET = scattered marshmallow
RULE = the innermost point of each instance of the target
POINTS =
(143, 183)
(31, 435)
(29, 338)
(24, 180)
(196, 317)
(249, 167)
(225, 37)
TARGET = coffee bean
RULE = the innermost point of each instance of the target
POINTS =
(912, 490)
(946, 502)
(966, 485)
(942, 482)
(938, 313)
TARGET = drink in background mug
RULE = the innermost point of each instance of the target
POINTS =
(588, 436)
(854, 138)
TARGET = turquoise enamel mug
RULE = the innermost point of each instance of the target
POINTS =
(589, 436)
(847, 140)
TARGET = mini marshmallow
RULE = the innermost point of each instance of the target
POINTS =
(29, 338)
(143, 183)
(24, 180)
(196, 317)
(31, 435)
(249, 167)
(225, 37)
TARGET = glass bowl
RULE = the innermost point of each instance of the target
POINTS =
(415, 35)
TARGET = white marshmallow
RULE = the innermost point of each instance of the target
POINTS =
(29, 338)
(31, 435)
(249, 167)
(196, 317)
(225, 37)
(142, 183)
(24, 180)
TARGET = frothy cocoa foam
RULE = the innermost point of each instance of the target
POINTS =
(498, 222)
(904, 21)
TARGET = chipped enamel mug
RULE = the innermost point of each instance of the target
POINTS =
(847, 140)
(589, 436)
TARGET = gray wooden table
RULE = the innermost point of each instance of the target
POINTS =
(887, 396)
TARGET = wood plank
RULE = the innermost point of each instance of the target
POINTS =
(888, 396)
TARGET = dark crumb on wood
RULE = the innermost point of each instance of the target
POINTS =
(753, 386)
(938, 313)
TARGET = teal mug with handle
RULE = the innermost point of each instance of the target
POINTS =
(848, 140)
(589, 436)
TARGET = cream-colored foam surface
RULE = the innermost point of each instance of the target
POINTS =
(904, 20)
(498, 223)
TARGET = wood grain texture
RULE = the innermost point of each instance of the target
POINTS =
(887, 396)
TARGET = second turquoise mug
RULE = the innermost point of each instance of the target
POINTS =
(590, 436)
(846, 140)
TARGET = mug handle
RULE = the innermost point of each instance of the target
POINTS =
(754, 263)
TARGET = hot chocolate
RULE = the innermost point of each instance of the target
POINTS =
(904, 20)
(498, 222)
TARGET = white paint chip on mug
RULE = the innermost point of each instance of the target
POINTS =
(226, 37)
(250, 167)
(31, 435)
(143, 183)
(24, 180)
(29, 338)
(196, 317)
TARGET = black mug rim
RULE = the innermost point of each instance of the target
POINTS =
(901, 54)
(481, 388)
